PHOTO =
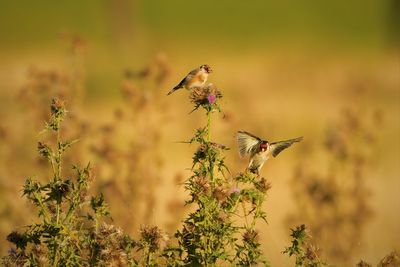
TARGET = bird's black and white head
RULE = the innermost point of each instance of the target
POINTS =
(264, 146)
(206, 68)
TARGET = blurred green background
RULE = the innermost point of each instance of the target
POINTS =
(286, 68)
(123, 33)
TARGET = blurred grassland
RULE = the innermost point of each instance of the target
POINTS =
(126, 33)
(286, 68)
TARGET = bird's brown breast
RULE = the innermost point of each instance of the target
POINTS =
(197, 79)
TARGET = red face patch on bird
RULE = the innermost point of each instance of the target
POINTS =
(264, 146)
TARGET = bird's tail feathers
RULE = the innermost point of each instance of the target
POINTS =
(174, 89)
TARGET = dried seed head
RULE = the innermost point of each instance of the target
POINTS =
(250, 236)
(301, 228)
(57, 106)
(83, 195)
(263, 185)
(40, 255)
(64, 188)
(51, 207)
(44, 150)
(312, 252)
(90, 173)
(203, 184)
(222, 216)
(15, 258)
(220, 193)
(153, 237)
(202, 148)
(363, 263)
(205, 95)
(392, 259)
(219, 146)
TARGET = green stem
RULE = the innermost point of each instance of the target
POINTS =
(59, 154)
(52, 166)
(45, 213)
(55, 259)
(245, 215)
(57, 177)
(210, 160)
(148, 260)
(209, 125)
(71, 209)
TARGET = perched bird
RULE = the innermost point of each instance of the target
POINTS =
(260, 150)
(195, 78)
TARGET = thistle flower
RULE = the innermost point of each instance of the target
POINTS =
(392, 259)
(44, 150)
(153, 237)
(312, 252)
(220, 194)
(203, 184)
(250, 236)
(211, 98)
(57, 106)
(263, 185)
(204, 96)
(201, 151)
(219, 146)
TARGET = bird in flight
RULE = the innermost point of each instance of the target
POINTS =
(195, 78)
(260, 150)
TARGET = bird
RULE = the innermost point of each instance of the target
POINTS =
(195, 78)
(260, 150)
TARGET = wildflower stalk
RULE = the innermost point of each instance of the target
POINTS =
(305, 253)
(209, 124)
(43, 208)
(210, 234)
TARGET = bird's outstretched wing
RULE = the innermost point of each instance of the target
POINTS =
(277, 147)
(247, 143)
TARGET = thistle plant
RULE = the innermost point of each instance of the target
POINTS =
(71, 228)
(306, 254)
(390, 260)
(214, 234)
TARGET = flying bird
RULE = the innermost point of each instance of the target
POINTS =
(260, 150)
(195, 78)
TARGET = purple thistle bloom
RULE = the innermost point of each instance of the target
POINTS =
(211, 98)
